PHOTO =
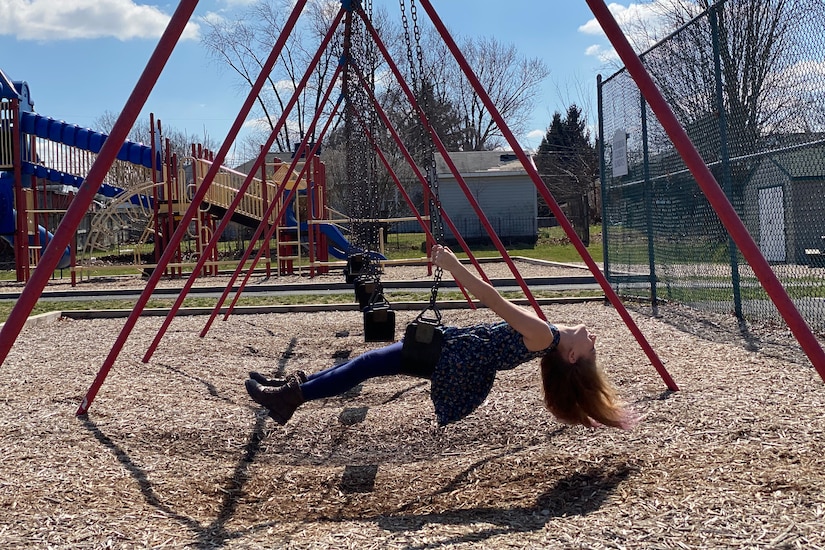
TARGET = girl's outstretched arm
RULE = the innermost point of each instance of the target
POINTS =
(535, 332)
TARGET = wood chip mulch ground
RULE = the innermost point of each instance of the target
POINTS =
(173, 453)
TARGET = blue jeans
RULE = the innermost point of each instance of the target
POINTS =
(341, 378)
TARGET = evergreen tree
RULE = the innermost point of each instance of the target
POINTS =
(568, 164)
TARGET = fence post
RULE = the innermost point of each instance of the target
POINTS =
(602, 179)
(725, 156)
(648, 198)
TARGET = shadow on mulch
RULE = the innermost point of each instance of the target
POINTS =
(211, 535)
(576, 495)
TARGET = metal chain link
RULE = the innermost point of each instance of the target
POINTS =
(428, 145)
(361, 160)
(434, 288)
(408, 43)
(436, 224)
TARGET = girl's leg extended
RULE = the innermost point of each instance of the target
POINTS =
(336, 380)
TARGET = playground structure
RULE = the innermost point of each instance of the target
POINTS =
(146, 193)
(351, 14)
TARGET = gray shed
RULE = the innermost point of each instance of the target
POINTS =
(785, 204)
(503, 190)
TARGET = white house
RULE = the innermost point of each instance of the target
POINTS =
(501, 186)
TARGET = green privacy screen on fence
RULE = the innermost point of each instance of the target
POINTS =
(749, 89)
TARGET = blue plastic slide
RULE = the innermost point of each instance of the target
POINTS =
(338, 245)
(45, 238)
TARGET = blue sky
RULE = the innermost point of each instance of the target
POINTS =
(83, 57)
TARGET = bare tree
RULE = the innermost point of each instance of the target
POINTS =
(243, 46)
(751, 43)
(461, 118)
(754, 37)
(511, 82)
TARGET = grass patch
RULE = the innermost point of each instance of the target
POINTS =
(552, 244)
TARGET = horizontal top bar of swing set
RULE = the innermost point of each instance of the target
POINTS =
(367, 220)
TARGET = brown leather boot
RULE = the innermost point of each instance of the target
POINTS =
(281, 401)
(278, 381)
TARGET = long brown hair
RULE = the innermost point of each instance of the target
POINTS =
(579, 393)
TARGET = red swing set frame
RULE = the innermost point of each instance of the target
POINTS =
(349, 10)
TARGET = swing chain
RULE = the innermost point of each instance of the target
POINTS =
(416, 62)
(408, 42)
(434, 289)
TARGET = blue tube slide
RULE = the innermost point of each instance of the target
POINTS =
(84, 138)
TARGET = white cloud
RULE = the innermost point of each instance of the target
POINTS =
(256, 124)
(534, 135)
(51, 20)
(235, 3)
(806, 75)
(285, 86)
(638, 21)
(628, 16)
(214, 18)
(605, 55)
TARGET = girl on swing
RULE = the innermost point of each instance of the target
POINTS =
(575, 390)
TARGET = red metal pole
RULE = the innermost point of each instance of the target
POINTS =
(265, 204)
(73, 258)
(227, 218)
(292, 193)
(190, 212)
(74, 215)
(710, 187)
(174, 196)
(155, 168)
(21, 243)
(551, 202)
(321, 180)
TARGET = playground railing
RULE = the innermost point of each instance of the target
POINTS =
(7, 118)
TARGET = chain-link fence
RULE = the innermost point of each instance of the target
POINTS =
(749, 89)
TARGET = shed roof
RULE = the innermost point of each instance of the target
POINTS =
(807, 163)
(486, 163)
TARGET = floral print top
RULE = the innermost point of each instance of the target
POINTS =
(470, 357)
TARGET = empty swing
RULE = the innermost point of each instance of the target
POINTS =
(379, 318)
(355, 265)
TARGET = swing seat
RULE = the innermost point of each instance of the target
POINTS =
(364, 292)
(355, 264)
(379, 322)
(421, 351)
